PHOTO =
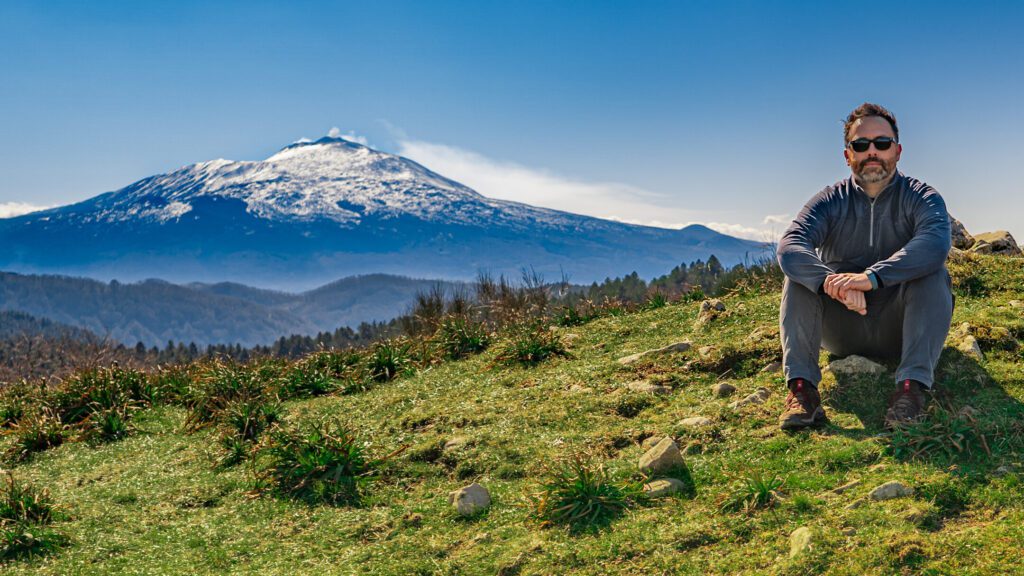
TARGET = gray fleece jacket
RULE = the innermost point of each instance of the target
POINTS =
(901, 235)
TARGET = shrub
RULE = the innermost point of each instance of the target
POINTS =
(109, 424)
(14, 399)
(656, 300)
(941, 435)
(219, 384)
(322, 462)
(530, 343)
(248, 418)
(23, 502)
(458, 337)
(757, 490)
(24, 511)
(580, 495)
(307, 379)
(35, 432)
(388, 358)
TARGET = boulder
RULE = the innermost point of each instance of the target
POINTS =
(709, 310)
(723, 389)
(664, 487)
(891, 490)
(854, 365)
(961, 238)
(469, 500)
(999, 242)
(663, 457)
(800, 541)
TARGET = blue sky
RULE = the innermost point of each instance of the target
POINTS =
(664, 113)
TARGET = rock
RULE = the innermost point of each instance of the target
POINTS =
(470, 499)
(650, 442)
(848, 531)
(891, 490)
(854, 365)
(915, 515)
(1015, 304)
(663, 457)
(580, 389)
(772, 367)
(647, 388)
(568, 339)
(677, 347)
(800, 541)
(855, 504)
(968, 412)
(764, 334)
(455, 443)
(1002, 471)
(695, 422)
(999, 242)
(664, 487)
(723, 389)
(961, 238)
(758, 397)
(705, 351)
(845, 487)
(709, 310)
(970, 347)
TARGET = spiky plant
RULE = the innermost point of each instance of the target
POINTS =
(580, 495)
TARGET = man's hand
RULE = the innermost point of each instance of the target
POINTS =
(856, 301)
(836, 285)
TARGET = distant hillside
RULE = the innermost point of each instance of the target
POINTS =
(154, 311)
(14, 324)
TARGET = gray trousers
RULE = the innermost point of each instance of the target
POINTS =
(909, 321)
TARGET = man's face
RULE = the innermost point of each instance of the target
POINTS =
(872, 165)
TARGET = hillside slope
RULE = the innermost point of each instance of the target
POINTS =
(155, 503)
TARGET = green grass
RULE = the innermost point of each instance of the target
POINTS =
(158, 502)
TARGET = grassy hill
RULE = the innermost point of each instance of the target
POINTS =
(166, 499)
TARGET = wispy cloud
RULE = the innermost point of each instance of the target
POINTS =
(611, 200)
(351, 136)
(12, 209)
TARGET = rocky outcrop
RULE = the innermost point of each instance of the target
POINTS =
(999, 242)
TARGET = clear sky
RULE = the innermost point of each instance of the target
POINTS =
(664, 113)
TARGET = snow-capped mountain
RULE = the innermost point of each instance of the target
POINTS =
(317, 211)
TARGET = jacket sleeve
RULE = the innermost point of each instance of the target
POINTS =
(926, 252)
(796, 253)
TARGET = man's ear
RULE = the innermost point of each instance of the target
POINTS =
(847, 154)
(899, 150)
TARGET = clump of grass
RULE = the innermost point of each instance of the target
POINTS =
(321, 462)
(14, 399)
(109, 424)
(758, 490)
(530, 343)
(218, 384)
(581, 495)
(305, 379)
(35, 432)
(388, 358)
(459, 336)
(24, 513)
(941, 435)
(656, 300)
(248, 418)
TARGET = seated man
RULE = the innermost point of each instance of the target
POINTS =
(865, 274)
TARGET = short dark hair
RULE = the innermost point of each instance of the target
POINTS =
(868, 109)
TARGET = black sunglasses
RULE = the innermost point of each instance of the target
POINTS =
(862, 144)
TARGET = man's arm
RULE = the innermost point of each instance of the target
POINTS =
(796, 253)
(926, 252)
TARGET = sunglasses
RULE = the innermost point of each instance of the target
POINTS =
(862, 144)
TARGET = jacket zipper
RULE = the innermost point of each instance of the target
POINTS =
(871, 226)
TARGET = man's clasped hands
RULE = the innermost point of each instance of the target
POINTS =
(849, 288)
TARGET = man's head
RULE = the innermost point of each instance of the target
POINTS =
(863, 128)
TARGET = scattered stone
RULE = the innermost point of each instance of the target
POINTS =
(999, 242)
(664, 487)
(891, 490)
(846, 487)
(854, 365)
(969, 412)
(1016, 304)
(758, 397)
(469, 500)
(848, 531)
(1002, 471)
(695, 422)
(764, 334)
(663, 457)
(772, 368)
(650, 442)
(877, 467)
(648, 388)
(709, 310)
(723, 389)
(855, 504)
(800, 541)
(677, 347)
(455, 443)
(970, 347)
(568, 339)
(705, 351)
(962, 239)
(580, 389)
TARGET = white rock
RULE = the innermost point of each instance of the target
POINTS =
(647, 387)
(470, 499)
(664, 487)
(772, 368)
(846, 487)
(676, 347)
(891, 490)
(800, 541)
(854, 365)
(722, 389)
(969, 346)
(662, 458)
(758, 397)
(1016, 304)
(695, 422)
(455, 443)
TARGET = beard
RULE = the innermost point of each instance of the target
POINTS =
(874, 173)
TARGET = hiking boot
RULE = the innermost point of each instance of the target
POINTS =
(906, 405)
(803, 406)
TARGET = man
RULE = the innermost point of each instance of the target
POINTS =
(865, 274)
